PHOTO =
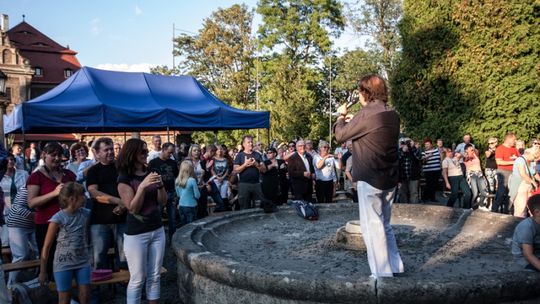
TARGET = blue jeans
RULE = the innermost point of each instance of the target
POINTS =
(188, 214)
(103, 236)
(478, 188)
(22, 242)
(459, 183)
(144, 253)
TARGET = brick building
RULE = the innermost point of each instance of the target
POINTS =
(51, 62)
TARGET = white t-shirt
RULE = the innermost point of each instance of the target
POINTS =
(454, 169)
(328, 172)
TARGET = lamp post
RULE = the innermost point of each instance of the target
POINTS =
(4, 102)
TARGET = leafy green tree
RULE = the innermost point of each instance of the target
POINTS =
(221, 57)
(294, 36)
(378, 19)
(469, 67)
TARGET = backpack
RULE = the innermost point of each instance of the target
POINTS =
(305, 210)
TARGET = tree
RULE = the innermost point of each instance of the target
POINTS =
(221, 57)
(294, 37)
(469, 67)
(378, 19)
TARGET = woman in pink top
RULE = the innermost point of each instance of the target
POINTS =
(475, 177)
(43, 186)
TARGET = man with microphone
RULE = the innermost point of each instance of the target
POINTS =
(374, 132)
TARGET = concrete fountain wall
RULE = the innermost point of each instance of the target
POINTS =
(450, 256)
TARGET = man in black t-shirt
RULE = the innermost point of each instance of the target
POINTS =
(108, 217)
(248, 164)
(165, 166)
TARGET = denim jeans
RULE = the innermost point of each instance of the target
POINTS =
(188, 214)
(223, 188)
(22, 242)
(459, 183)
(408, 192)
(103, 236)
(478, 189)
(144, 253)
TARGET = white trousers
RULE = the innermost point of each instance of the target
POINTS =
(375, 213)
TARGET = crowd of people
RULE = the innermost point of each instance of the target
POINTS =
(501, 183)
(124, 193)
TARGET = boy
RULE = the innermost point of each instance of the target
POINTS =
(526, 239)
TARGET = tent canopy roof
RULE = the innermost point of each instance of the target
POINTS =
(95, 100)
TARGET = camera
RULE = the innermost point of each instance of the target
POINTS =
(406, 142)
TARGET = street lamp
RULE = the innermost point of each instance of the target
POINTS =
(4, 102)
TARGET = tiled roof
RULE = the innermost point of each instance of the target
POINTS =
(43, 52)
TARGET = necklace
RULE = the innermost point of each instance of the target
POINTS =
(51, 176)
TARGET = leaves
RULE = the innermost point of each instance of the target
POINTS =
(469, 67)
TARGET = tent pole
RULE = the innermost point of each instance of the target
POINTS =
(24, 149)
(215, 137)
(168, 140)
(125, 138)
(268, 135)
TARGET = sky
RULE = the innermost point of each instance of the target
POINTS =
(123, 35)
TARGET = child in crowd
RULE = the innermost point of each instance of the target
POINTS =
(188, 192)
(71, 259)
(526, 239)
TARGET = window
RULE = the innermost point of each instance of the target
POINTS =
(68, 73)
(39, 72)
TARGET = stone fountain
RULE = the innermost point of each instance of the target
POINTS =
(450, 256)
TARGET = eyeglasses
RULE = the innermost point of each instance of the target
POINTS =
(536, 143)
(494, 143)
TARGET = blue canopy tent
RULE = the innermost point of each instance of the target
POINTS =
(94, 100)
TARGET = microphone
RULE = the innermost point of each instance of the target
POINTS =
(353, 98)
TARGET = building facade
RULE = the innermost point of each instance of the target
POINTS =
(16, 67)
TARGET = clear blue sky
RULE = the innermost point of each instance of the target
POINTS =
(121, 34)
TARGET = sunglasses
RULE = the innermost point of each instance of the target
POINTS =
(536, 143)
(494, 143)
(326, 147)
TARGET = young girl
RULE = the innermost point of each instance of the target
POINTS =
(71, 258)
(188, 192)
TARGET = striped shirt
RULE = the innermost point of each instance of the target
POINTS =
(19, 212)
(433, 161)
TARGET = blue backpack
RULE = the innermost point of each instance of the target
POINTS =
(305, 210)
